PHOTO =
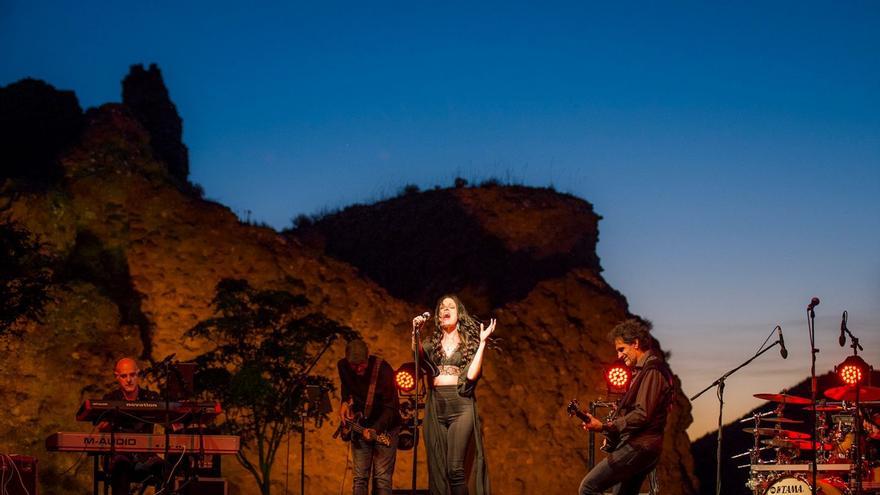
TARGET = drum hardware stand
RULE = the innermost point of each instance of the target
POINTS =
(857, 419)
(821, 422)
(719, 383)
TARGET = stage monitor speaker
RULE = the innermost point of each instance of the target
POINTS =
(202, 486)
(21, 473)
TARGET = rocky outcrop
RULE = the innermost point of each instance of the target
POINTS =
(37, 121)
(144, 92)
(139, 260)
(492, 245)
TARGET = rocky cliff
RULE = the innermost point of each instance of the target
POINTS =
(138, 258)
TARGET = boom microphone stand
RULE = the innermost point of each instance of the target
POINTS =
(720, 384)
(811, 329)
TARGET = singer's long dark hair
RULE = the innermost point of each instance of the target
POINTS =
(468, 331)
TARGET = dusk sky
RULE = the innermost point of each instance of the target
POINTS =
(733, 149)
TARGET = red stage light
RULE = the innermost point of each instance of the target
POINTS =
(617, 378)
(405, 380)
(852, 370)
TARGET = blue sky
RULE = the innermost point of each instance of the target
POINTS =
(732, 149)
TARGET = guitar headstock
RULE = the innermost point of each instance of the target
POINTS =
(573, 407)
(384, 439)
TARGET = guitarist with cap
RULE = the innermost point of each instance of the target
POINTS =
(369, 412)
(634, 433)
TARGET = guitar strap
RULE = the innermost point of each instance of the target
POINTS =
(371, 392)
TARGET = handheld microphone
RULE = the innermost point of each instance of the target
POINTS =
(424, 316)
(782, 350)
(842, 339)
(813, 303)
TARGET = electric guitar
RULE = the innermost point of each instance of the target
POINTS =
(347, 426)
(611, 441)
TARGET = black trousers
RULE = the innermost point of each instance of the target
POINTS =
(624, 469)
(456, 416)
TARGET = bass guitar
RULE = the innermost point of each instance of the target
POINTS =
(347, 426)
(611, 441)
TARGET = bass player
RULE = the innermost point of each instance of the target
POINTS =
(369, 398)
(634, 434)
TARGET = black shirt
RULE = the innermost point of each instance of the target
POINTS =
(641, 416)
(384, 414)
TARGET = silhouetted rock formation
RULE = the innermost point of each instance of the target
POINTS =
(490, 244)
(37, 121)
(144, 92)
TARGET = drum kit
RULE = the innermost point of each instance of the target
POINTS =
(845, 450)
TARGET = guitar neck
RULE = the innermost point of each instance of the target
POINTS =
(582, 416)
(354, 426)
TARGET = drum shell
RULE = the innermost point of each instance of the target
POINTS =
(793, 484)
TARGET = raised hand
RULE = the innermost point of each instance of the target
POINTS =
(487, 331)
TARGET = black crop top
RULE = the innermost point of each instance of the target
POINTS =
(456, 359)
(451, 365)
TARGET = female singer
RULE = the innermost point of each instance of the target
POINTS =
(454, 350)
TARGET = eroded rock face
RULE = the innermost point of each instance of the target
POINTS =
(140, 261)
(145, 93)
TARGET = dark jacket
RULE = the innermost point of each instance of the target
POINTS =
(640, 417)
(384, 415)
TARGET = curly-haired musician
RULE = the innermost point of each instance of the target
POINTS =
(635, 431)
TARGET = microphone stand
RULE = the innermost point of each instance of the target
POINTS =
(166, 476)
(415, 419)
(720, 384)
(811, 330)
(294, 387)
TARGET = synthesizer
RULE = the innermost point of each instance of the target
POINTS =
(143, 442)
(150, 410)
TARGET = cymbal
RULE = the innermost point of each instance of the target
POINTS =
(779, 433)
(784, 398)
(771, 419)
(848, 393)
(797, 444)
